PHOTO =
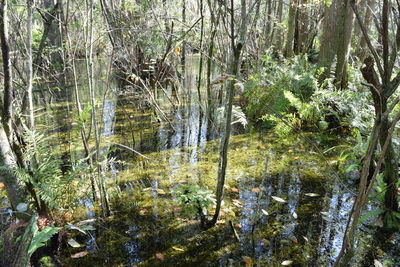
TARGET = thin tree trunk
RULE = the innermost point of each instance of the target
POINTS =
(291, 29)
(30, 4)
(90, 72)
(201, 51)
(236, 48)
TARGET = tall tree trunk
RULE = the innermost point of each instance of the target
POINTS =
(279, 35)
(343, 47)
(336, 39)
(236, 48)
(30, 4)
(7, 109)
(291, 29)
(55, 36)
(90, 73)
(328, 42)
(183, 55)
(363, 49)
(201, 51)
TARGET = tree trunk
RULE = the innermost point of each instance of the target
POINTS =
(15, 190)
(362, 50)
(7, 109)
(279, 35)
(328, 47)
(236, 48)
(29, 64)
(345, 29)
(291, 29)
(54, 25)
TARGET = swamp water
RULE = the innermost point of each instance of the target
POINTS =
(284, 200)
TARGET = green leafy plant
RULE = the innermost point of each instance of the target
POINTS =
(194, 199)
(293, 91)
(45, 172)
(351, 155)
(41, 237)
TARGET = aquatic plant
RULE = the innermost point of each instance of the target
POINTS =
(194, 199)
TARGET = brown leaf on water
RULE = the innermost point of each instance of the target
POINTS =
(80, 254)
(2, 185)
(255, 190)
(238, 225)
(247, 260)
(160, 256)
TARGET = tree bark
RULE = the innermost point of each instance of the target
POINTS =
(289, 45)
(7, 108)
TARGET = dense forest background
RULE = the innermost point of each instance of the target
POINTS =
(199, 132)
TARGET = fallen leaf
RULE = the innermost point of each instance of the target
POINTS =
(295, 215)
(287, 262)
(221, 221)
(178, 249)
(247, 260)
(324, 213)
(80, 254)
(238, 225)
(290, 150)
(146, 189)
(72, 242)
(255, 190)
(234, 189)
(160, 256)
(1, 185)
(281, 200)
(264, 212)
(305, 238)
(249, 209)
(312, 194)
(227, 186)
